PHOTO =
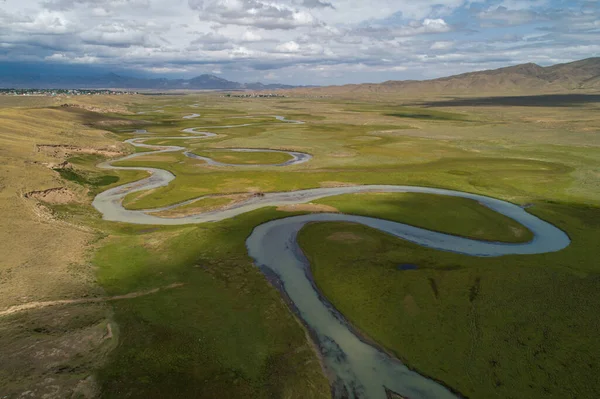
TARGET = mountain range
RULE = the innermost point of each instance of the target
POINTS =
(114, 81)
(583, 75)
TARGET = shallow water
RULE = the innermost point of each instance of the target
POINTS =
(360, 370)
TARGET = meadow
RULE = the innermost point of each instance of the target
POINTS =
(508, 327)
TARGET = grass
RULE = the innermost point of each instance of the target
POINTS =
(514, 326)
(203, 205)
(225, 333)
(498, 327)
(86, 174)
(458, 216)
(421, 113)
(469, 174)
(245, 158)
(81, 178)
(426, 114)
(44, 259)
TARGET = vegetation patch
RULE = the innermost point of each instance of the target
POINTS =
(245, 158)
(514, 326)
(85, 179)
(225, 333)
(506, 320)
(453, 215)
(427, 114)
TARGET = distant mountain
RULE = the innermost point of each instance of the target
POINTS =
(519, 79)
(114, 81)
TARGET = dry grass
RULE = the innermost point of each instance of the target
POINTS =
(307, 208)
(346, 236)
(44, 259)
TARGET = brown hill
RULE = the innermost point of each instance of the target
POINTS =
(583, 75)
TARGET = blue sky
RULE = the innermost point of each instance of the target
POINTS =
(293, 41)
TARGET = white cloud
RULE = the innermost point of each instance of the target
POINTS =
(289, 47)
(300, 40)
(60, 57)
(442, 45)
(250, 36)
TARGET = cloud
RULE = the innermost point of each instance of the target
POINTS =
(503, 16)
(298, 41)
(257, 13)
(116, 34)
(63, 58)
(44, 23)
(289, 47)
(250, 36)
(317, 4)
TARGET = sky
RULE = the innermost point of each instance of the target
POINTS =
(311, 42)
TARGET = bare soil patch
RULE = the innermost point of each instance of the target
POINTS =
(100, 110)
(344, 236)
(51, 353)
(335, 184)
(63, 150)
(156, 158)
(518, 231)
(343, 154)
(55, 165)
(200, 207)
(38, 305)
(118, 122)
(58, 195)
(410, 305)
(307, 208)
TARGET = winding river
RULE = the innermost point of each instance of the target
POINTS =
(358, 369)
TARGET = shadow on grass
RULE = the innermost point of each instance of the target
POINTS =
(548, 100)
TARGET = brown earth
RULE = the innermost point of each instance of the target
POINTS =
(344, 236)
(58, 195)
(335, 184)
(583, 75)
(100, 110)
(410, 305)
(38, 305)
(63, 150)
(56, 165)
(192, 209)
(307, 208)
(50, 351)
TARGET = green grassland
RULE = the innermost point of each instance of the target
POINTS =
(508, 327)
(85, 173)
(458, 216)
(245, 158)
(225, 333)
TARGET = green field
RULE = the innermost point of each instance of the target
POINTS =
(496, 327)
(245, 158)
(452, 215)
(506, 327)
(224, 333)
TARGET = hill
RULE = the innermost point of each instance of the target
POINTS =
(114, 81)
(581, 75)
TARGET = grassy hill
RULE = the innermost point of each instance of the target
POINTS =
(583, 75)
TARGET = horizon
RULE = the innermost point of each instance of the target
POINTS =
(295, 42)
(128, 74)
